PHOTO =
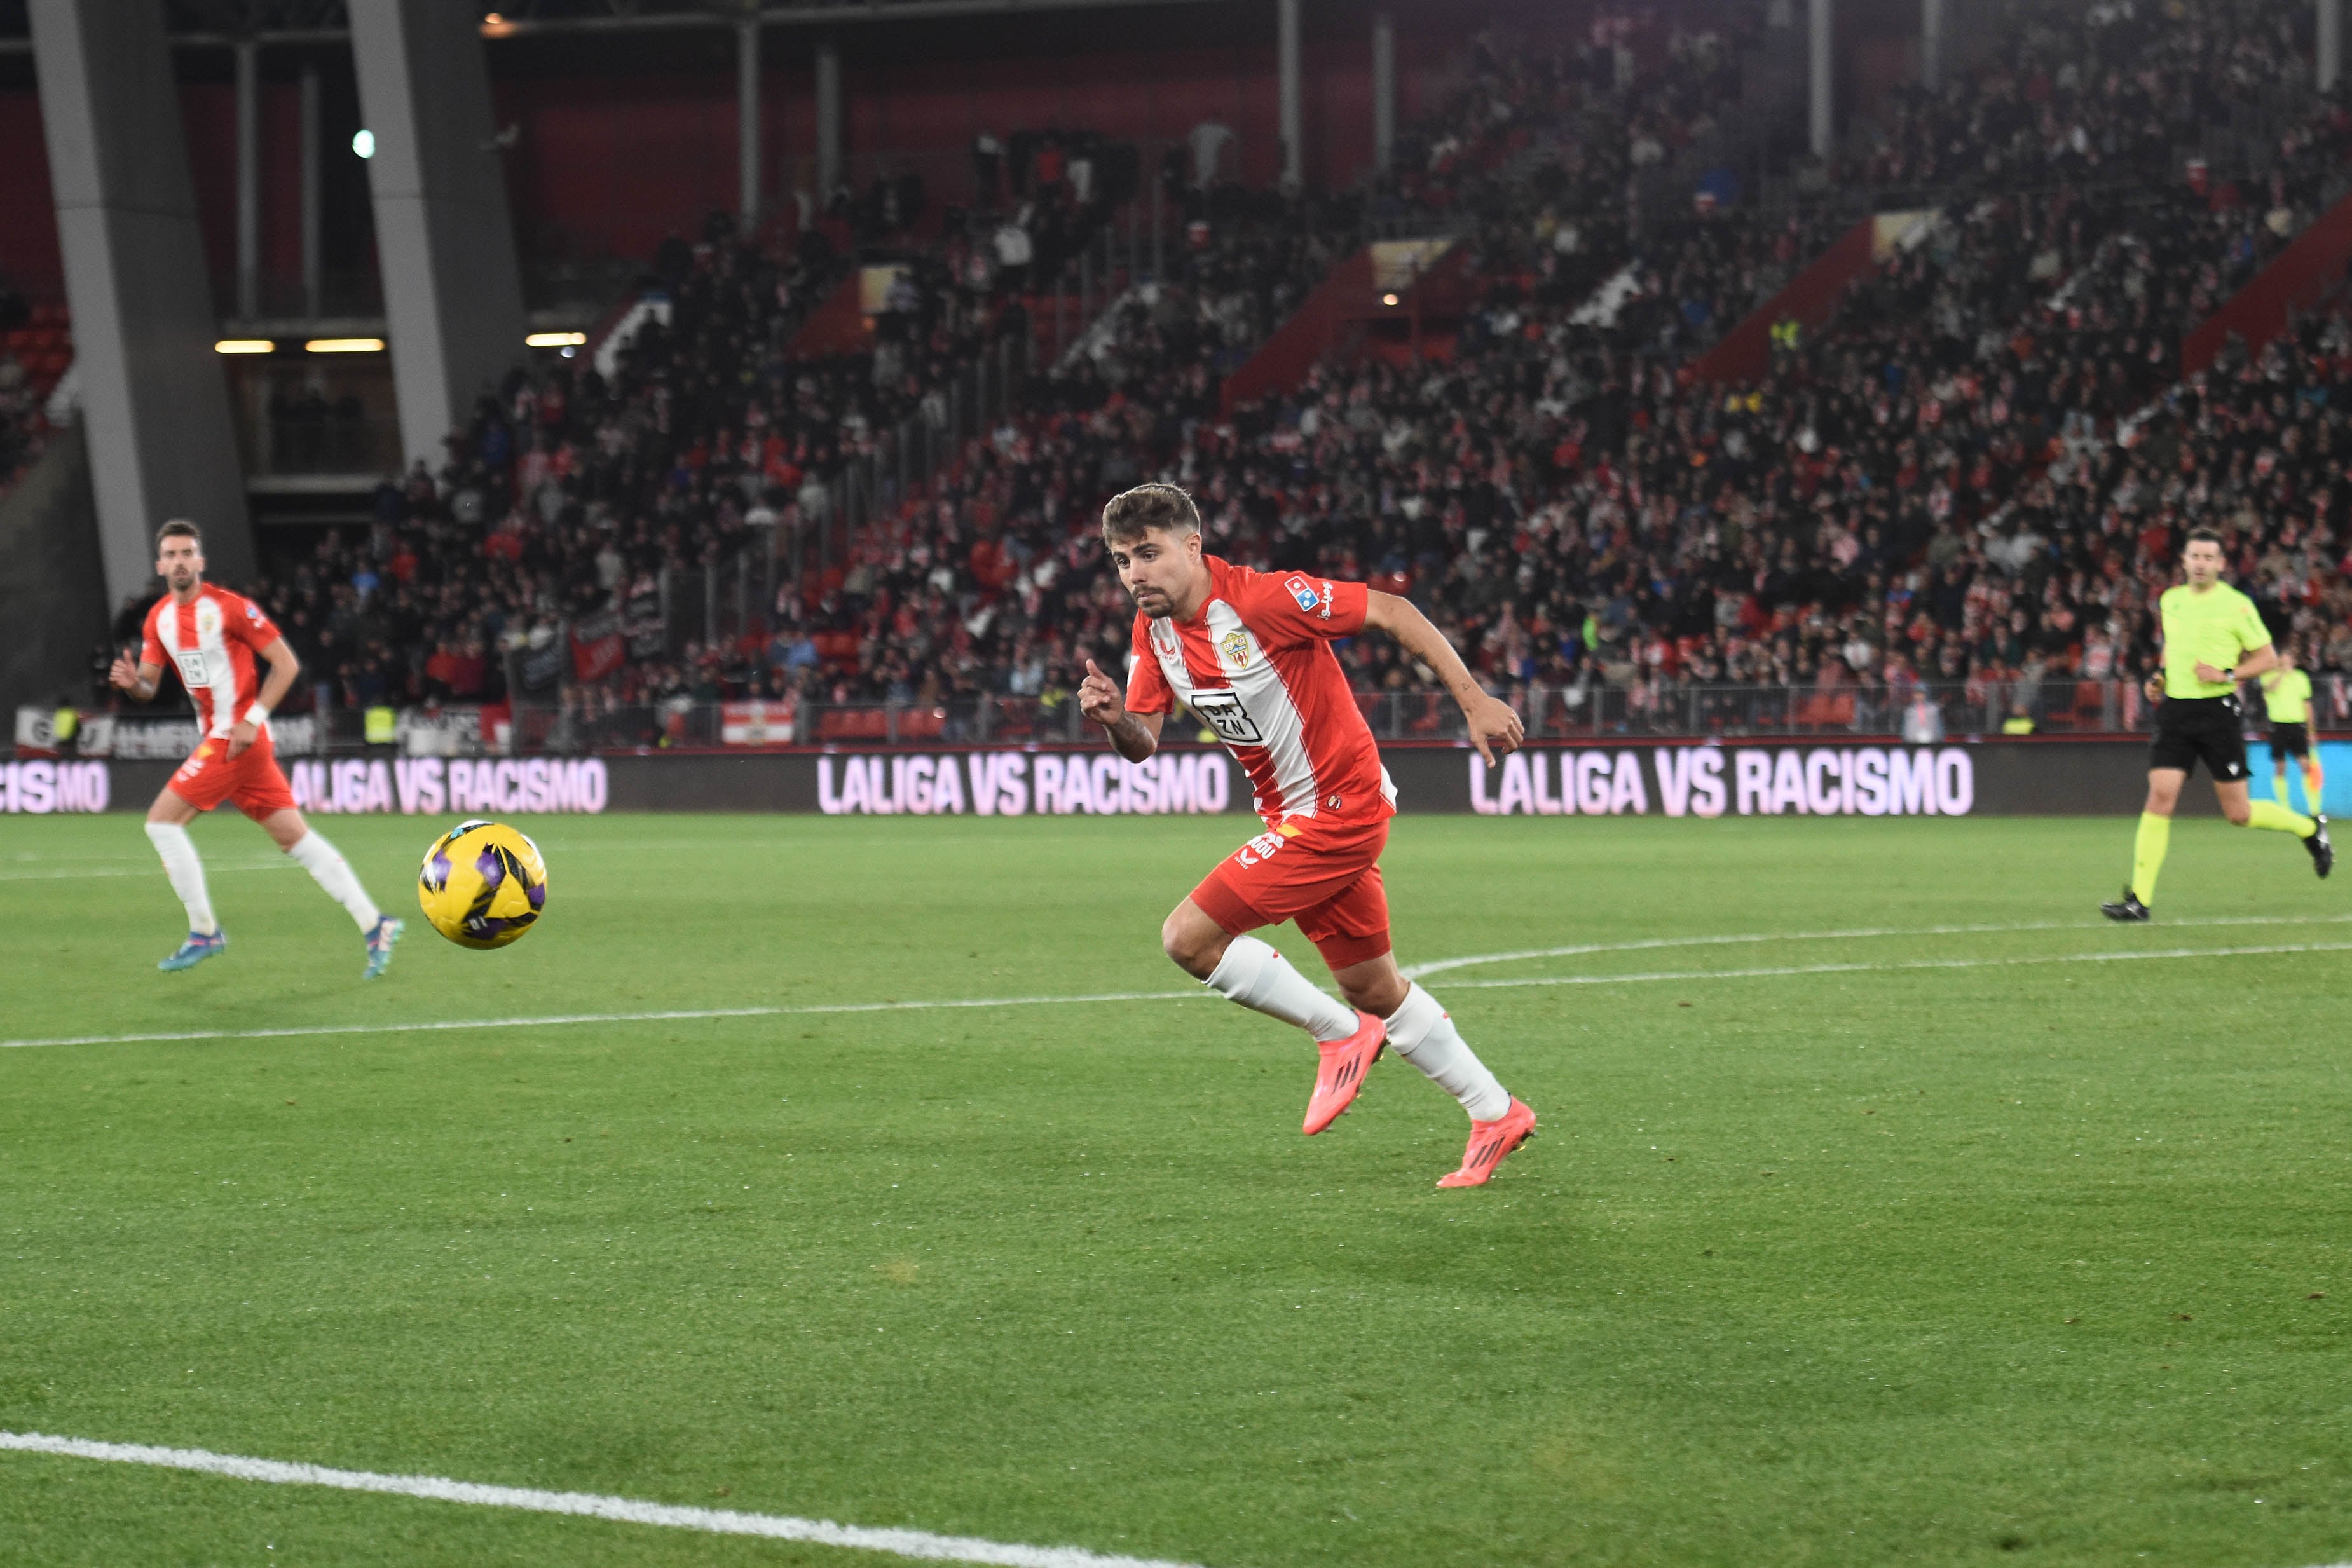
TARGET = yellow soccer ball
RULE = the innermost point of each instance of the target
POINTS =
(483, 885)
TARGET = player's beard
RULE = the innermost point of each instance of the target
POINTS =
(183, 577)
(1159, 606)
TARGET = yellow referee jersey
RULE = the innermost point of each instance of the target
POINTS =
(2217, 627)
(2285, 693)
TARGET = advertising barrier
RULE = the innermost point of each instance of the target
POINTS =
(1670, 779)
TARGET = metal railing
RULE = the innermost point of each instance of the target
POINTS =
(1571, 712)
(580, 722)
(907, 454)
(329, 444)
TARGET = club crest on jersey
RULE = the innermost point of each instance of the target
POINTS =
(1304, 591)
(1234, 646)
(208, 619)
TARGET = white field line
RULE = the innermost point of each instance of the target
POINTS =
(551, 1020)
(916, 1544)
(1478, 960)
(150, 869)
(1786, 970)
(556, 1020)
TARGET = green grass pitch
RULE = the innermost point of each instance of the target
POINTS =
(1930, 1258)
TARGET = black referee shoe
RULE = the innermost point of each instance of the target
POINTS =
(2322, 853)
(2129, 907)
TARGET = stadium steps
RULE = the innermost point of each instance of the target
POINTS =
(1812, 297)
(1427, 278)
(2298, 279)
(52, 593)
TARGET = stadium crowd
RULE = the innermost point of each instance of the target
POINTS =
(1974, 478)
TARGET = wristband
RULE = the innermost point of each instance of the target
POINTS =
(257, 715)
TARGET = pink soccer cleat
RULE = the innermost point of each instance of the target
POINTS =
(1341, 1073)
(1490, 1141)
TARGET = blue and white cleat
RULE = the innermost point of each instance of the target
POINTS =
(195, 950)
(379, 946)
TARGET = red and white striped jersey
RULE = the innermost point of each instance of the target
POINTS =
(212, 640)
(1255, 665)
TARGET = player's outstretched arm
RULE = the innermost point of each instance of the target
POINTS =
(1134, 735)
(139, 680)
(1494, 729)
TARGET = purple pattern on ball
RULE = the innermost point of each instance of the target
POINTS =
(493, 870)
(537, 892)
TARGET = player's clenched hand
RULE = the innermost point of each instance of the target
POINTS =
(2211, 674)
(242, 737)
(1099, 697)
(122, 673)
(1494, 729)
(2154, 689)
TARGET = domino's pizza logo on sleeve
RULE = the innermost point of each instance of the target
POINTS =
(1304, 591)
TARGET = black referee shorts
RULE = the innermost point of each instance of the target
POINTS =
(2208, 729)
(2289, 740)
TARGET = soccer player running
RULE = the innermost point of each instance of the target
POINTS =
(2287, 698)
(1250, 653)
(213, 636)
(2213, 639)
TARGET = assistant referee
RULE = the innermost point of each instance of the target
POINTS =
(2213, 638)
(2287, 698)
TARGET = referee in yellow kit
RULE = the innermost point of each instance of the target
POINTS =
(2213, 638)
(2286, 698)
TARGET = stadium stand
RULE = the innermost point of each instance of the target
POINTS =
(1965, 488)
(36, 350)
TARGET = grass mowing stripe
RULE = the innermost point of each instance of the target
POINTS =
(916, 1544)
(554, 1020)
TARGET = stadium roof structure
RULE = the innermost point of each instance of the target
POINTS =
(216, 23)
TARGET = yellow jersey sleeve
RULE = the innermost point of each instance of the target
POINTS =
(2250, 632)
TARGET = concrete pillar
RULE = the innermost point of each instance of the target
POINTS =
(1384, 87)
(314, 255)
(452, 292)
(1931, 43)
(154, 404)
(1823, 121)
(2330, 49)
(747, 122)
(828, 119)
(1294, 152)
(248, 178)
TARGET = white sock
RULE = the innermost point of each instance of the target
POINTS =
(328, 867)
(186, 870)
(1255, 975)
(1424, 1035)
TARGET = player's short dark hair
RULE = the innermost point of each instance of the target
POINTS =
(1132, 512)
(179, 529)
(2202, 537)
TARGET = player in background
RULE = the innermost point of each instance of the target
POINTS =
(212, 637)
(2286, 698)
(2213, 639)
(1250, 653)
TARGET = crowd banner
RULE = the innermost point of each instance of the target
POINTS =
(1572, 783)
